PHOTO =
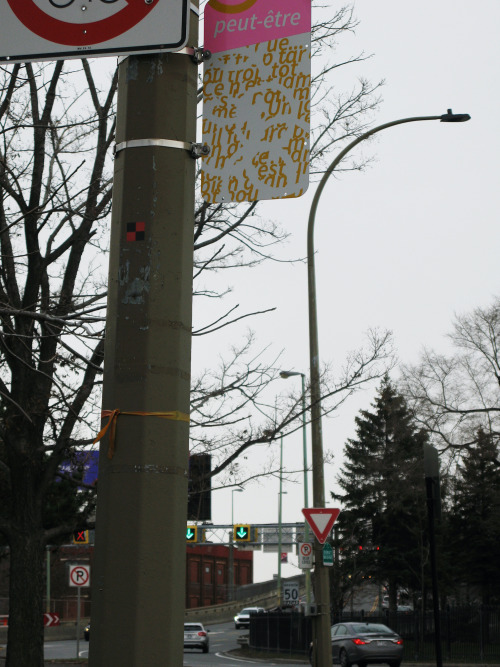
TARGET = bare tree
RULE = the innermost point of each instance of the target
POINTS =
(455, 396)
(235, 406)
(55, 193)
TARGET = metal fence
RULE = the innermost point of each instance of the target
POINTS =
(468, 634)
(285, 632)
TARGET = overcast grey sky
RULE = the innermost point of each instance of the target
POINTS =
(405, 245)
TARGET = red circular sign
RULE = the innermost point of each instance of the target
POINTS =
(79, 575)
(80, 34)
(305, 549)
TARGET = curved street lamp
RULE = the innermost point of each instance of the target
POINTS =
(322, 653)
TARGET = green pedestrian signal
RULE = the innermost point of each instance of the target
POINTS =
(192, 534)
(241, 533)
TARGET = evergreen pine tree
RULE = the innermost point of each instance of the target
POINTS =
(383, 499)
(474, 537)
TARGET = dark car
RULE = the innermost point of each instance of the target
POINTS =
(365, 644)
(195, 636)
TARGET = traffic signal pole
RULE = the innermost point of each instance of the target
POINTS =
(138, 574)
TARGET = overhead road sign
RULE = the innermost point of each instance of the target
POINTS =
(271, 539)
(321, 520)
(33, 30)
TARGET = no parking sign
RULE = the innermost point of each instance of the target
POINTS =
(55, 29)
(305, 551)
(79, 576)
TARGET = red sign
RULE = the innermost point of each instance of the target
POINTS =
(321, 520)
(79, 34)
(54, 29)
(50, 620)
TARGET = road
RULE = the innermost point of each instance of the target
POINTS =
(223, 638)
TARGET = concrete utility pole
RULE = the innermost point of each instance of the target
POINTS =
(138, 574)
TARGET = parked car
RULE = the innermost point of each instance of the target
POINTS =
(242, 620)
(195, 636)
(404, 608)
(364, 644)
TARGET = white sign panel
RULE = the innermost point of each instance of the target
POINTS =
(256, 100)
(290, 592)
(305, 553)
(79, 576)
(270, 539)
(56, 29)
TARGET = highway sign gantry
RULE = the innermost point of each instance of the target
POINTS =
(43, 30)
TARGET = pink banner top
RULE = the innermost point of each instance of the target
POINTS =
(231, 24)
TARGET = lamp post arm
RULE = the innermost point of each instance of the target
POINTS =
(341, 156)
(317, 445)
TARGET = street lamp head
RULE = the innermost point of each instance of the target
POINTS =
(288, 374)
(451, 117)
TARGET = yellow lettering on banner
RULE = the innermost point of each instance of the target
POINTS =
(271, 82)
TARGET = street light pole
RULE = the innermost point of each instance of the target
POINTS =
(322, 653)
(285, 375)
(280, 507)
(231, 546)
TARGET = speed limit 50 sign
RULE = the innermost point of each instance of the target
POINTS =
(56, 29)
(290, 592)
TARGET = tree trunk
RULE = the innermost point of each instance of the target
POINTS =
(27, 549)
(25, 635)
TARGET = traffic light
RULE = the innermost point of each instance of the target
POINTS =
(241, 533)
(199, 488)
(192, 534)
(81, 537)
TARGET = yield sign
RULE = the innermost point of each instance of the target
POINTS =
(321, 520)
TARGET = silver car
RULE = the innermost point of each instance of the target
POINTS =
(365, 644)
(195, 636)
